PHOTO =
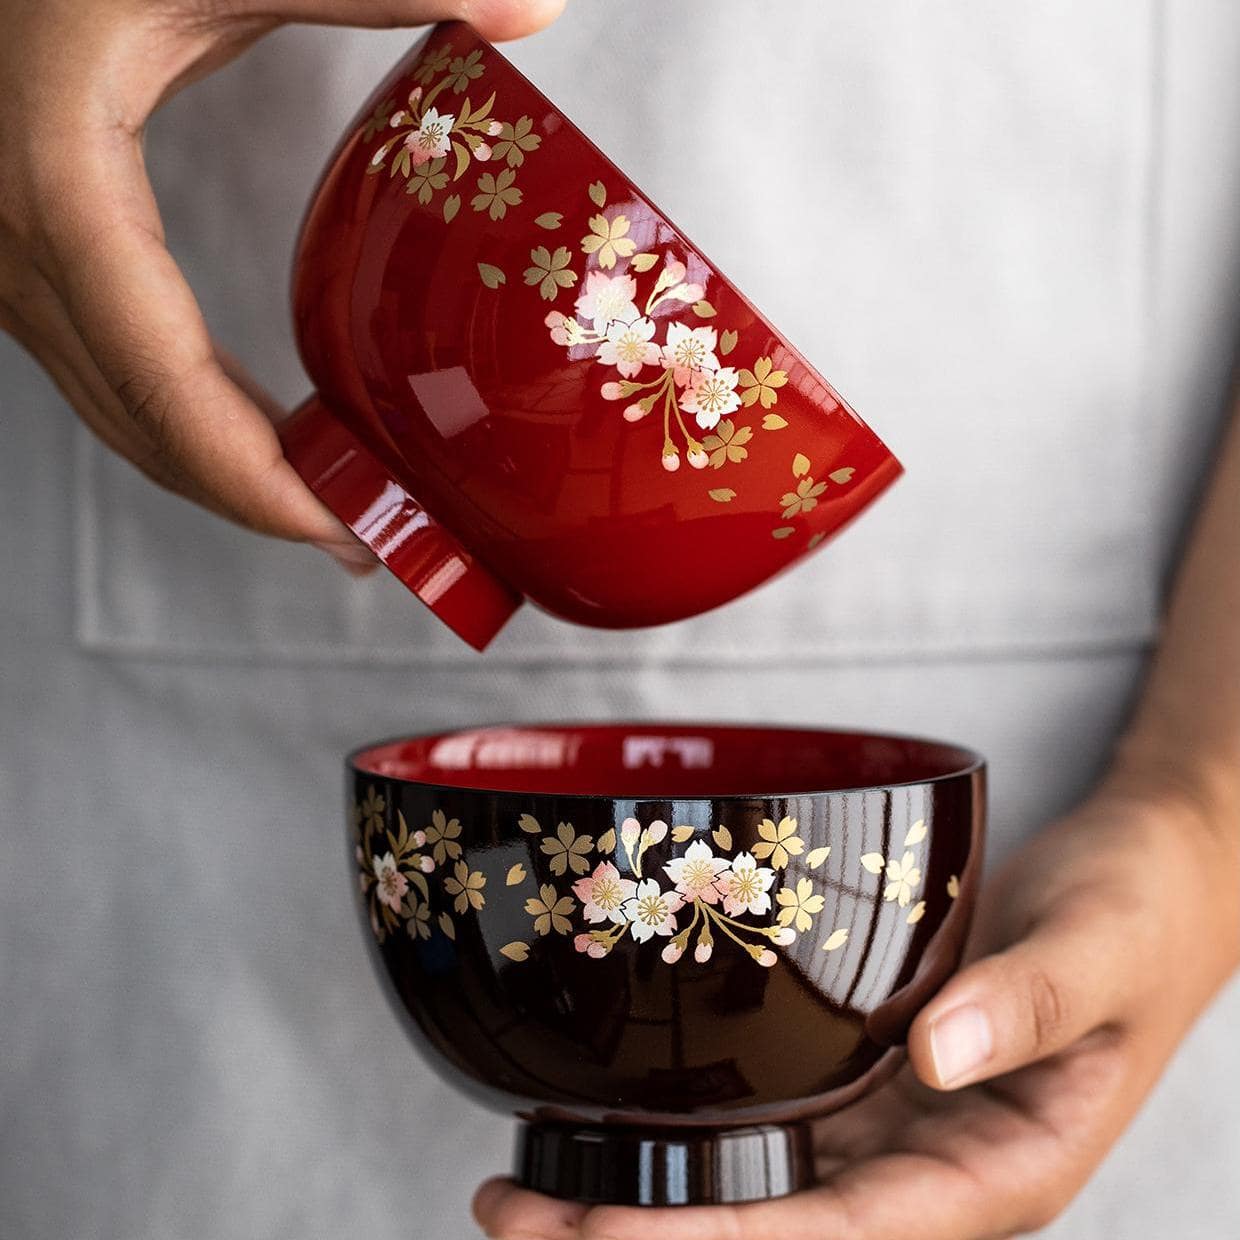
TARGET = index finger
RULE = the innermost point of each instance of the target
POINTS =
(140, 322)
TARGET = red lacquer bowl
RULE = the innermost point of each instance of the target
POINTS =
(532, 385)
(664, 947)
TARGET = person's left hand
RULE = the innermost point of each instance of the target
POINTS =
(1093, 952)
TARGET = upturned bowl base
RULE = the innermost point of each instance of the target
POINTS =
(664, 1167)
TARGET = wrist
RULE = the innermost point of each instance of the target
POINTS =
(1189, 780)
(1188, 810)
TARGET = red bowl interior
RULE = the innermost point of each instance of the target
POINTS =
(657, 760)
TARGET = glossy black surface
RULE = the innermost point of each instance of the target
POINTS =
(661, 1052)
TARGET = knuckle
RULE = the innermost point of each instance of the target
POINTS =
(149, 403)
(1048, 1011)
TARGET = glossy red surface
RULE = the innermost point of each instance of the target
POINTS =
(660, 760)
(679, 1063)
(490, 449)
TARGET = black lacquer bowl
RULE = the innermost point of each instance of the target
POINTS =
(662, 972)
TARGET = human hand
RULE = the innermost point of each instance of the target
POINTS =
(1093, 951)
(86, 283)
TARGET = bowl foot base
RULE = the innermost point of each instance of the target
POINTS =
(664, 1167)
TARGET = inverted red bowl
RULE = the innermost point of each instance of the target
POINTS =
(531, 384)
(664, 947)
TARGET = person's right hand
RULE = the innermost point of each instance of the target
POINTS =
(86, 283)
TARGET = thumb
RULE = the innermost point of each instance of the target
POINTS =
(1064, 980)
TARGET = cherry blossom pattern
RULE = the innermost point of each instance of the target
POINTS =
(568, 850)
(902, 874)
(651, 911)
(709, 895)
(745, 886)
(550, 910)
(806, 493)
(662, 362)
(466, 886)
(438, 126)
(603, 894)
(741, 886)
(390, 883)
(392, 875)
(700, 896)
(778, 841)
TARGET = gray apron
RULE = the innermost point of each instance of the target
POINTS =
(1008, 234)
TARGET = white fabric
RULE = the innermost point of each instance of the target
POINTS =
(1008, 234)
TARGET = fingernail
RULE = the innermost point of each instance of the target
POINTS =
(353, 557)
(960, 1043)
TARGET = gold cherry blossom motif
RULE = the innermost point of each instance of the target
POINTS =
(550, 271)
(727, 443)
(761, 384)
(608, 240)
(568, 850)
(805, 495)
(661, 360)
(439, 135)
(903, 874)
(778, 842)
(444, 836)
(466, 885)
(550, 911)
(371, 810)
(703, 895)
(392, 875)
(798, 907)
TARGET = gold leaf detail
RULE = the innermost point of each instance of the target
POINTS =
(723, 837)
(598, 194)
(779, 841)
(492, 277)
(835, 940)
(916, 833)
(842, 475)
(451, 206)
(784, 531)
(515, 875)
(703, 309)
(607, 841)
(818, 856)
(643, 262)
(549, 220)
(953, 886)
(815, 539)
(916, 913)
(681, 834)
(516, 950)
(445, 924)
(876, 863)
(800, 465)
(722, 495)
(529, 824)
(727, 342)
(773, 422)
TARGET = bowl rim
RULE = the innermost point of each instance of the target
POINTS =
(972, 762)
